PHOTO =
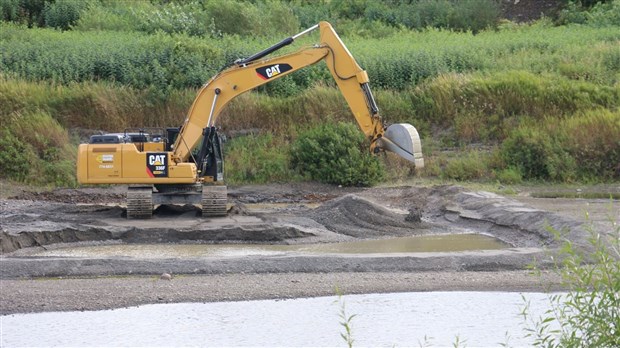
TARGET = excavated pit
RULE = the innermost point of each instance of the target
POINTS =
(63, 223)
(272, 216)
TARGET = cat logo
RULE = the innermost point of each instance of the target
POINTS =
(273, 70)
(157, 160)
(157, 164)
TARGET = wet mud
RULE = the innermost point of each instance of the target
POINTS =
(279, 215)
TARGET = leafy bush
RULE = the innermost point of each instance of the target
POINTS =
(464, 15)
(509, 176)
(14, 156)
(242, 18)
(173, 18)
(350, 28)
(467, 166)
(536, 155)
(474, 15)
(63, 14)
(28, 12)
(97, 17)
(310, 15)
(278, 18)
(429, 13)
(9, 10)
(596, 13)
(605, 14)
(336, 154)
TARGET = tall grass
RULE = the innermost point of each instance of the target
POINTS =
(593, 140)
(162, 62)
(486, 107)
(35, 148)
(506, 111)
(230, 17)
(93, 105)
(258, 159)
(410, 57)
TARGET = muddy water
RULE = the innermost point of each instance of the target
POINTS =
(481, 319)
(439, 243)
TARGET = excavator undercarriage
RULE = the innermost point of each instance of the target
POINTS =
(211, 198)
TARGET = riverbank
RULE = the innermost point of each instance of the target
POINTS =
(34, 224)
(99, 293)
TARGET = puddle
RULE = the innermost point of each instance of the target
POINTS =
(437, 243)
(420, 244)
(480, 319)
(574, 194)
(268, 207)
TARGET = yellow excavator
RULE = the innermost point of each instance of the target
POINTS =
(185, 165)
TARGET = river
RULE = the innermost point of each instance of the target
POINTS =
(395, 319)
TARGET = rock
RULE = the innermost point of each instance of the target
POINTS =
(415, 215)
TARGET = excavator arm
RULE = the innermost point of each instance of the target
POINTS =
(249, 73)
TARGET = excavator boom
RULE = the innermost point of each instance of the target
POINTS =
(251, 72)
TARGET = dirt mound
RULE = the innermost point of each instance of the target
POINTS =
(358, 217)
(85, 195)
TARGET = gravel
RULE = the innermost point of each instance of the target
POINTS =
(79, 294)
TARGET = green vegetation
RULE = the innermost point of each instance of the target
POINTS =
(35, 148)
(493, 100)
(591, 12)
(587, 316)
(257, 159)
(222, 17)
(398, 62)
(336, 154)
(345, 320)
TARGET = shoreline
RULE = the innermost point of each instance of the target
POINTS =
(102, 293)
(279, 214)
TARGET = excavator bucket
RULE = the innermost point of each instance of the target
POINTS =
(403, 140)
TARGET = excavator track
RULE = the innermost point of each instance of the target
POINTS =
(140, 202)
(214, 198)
